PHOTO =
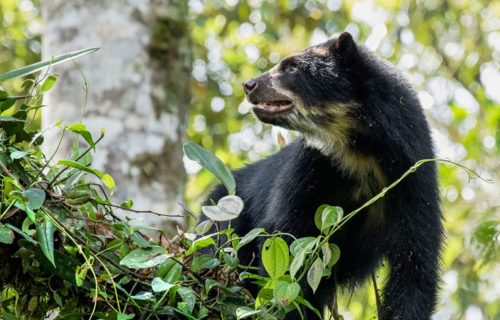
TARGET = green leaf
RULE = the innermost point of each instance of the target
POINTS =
(297, 263)
(203, 227)
(314, 274)
(6, 235)
(74, 164)
(232, 262)
(49, 82)
(203, 262)
(275, 257)
(317, 215)
(21, 233)
(188, 297)
(249, 237)
(330, 217)
(127, 204)
(245, 312)
(124, 316)
(200, 243)
(145, 257)
(306, 244)
(158, 285)
(335, 254)
(170, 271)
(80, 129)
(6, 104)
(35, 198)
(309, 306)
(143, 295)
(32, 199)
(210, 162)
(24, 71)
(327, 216)
(10, 119)
(326, 254)
(285, 293)
(109, 182)
(45, 236)
(18, 155)
(279, 290)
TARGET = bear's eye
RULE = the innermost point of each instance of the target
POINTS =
(291, 68)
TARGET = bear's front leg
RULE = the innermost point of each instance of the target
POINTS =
(411, 291)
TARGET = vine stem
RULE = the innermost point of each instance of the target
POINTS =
(54, 180)
(411, 170)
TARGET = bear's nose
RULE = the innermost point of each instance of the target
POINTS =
(249, 85)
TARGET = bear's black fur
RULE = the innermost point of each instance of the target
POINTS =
(362, 128)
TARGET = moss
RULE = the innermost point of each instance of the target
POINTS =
(171, 58)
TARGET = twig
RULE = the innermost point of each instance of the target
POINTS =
(81, 156)
(6, 171)
(140, 211)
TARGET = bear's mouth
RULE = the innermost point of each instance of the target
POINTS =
(273, 108)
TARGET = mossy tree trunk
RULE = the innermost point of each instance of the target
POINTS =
(138, 90)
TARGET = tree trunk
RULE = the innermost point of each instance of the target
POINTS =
(138, 90)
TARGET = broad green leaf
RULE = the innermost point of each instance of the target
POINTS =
(74, 164)
(249, 237)
(35, 198)
(275, 257)
(24, 71)
(6, 235)
(32, 199)
(285, 293)
(317, 215)
(326, 254)
(21, 233)
(18, 155)
(6, 104)
(231, 261)
(188, 298)
(170, 271)
(210, 162)
(200, 243)
(80, 275)
(203, 227)
(143, 295)
(330, 217)
(203, 262)
(309, 306)
(109, 182)
(125, 316)
(227, 208)
(10, 119)
(80, 129)
(297, 263)
(246, 312)
(145, 257)
(306, 244)
(279, 290)
(49, 82)
(127, 204)
(45, 236)
(158, 285)
(314, 274)
(335, 250)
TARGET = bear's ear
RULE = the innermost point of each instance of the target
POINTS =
(345, 47)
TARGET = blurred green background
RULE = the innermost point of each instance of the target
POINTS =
(450, 50)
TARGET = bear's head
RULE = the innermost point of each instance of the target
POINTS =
(314, 92)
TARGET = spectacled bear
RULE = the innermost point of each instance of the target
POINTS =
(362, 127)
